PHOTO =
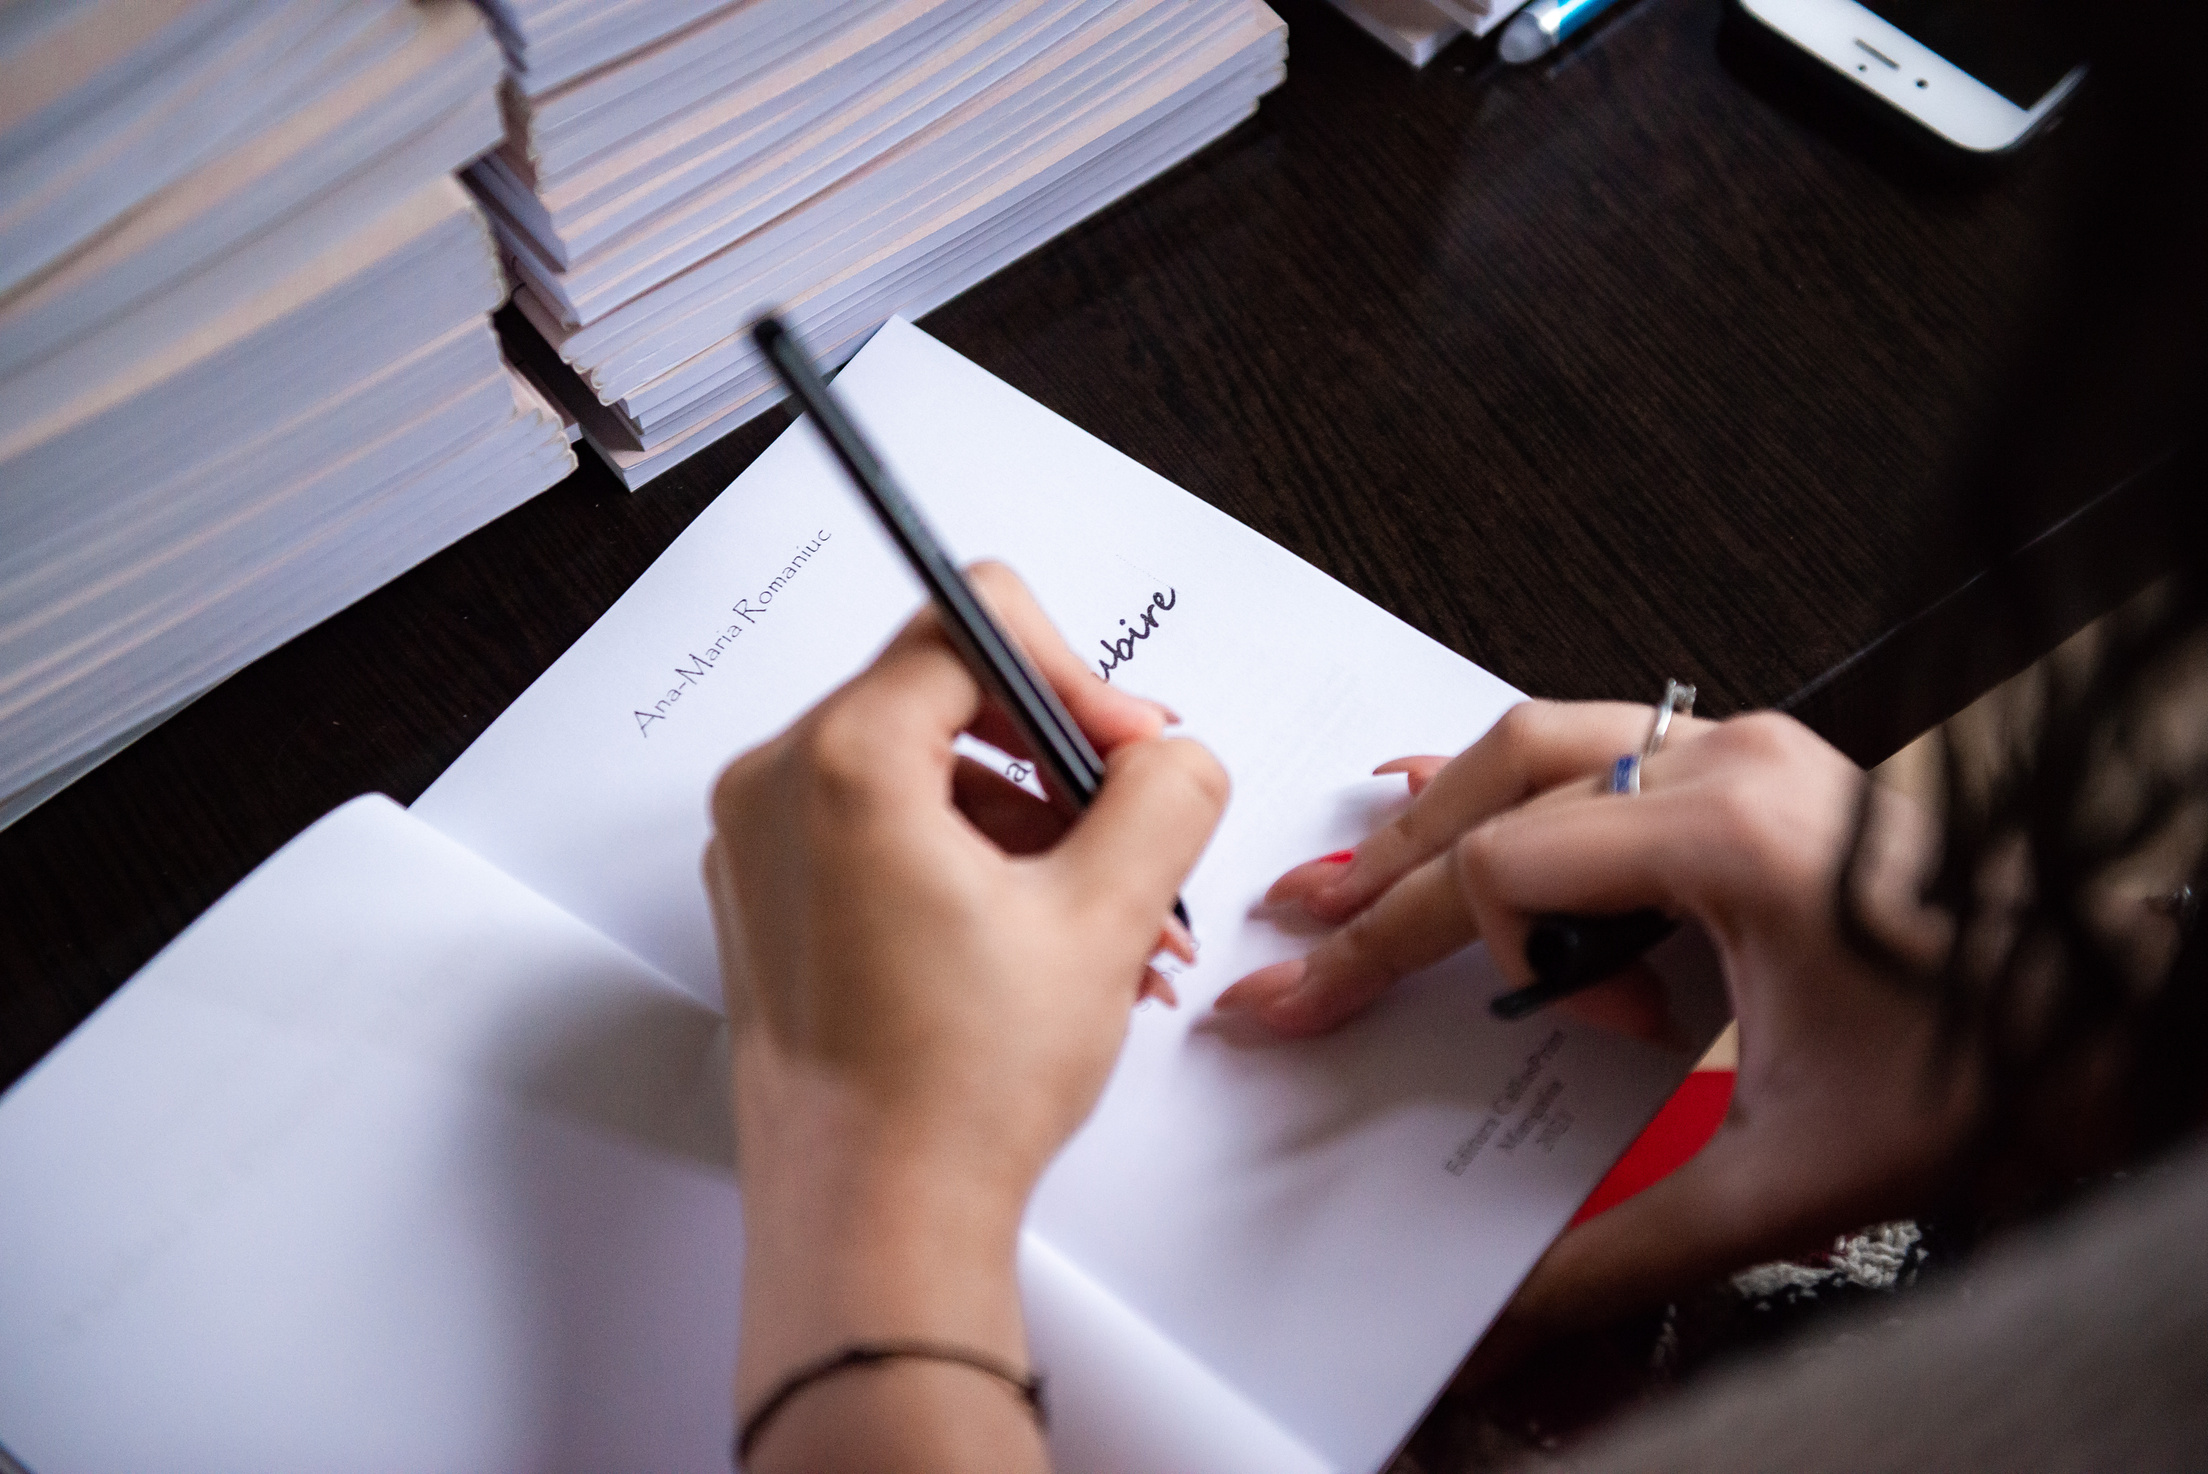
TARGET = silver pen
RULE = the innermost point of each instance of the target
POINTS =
(1542, 26)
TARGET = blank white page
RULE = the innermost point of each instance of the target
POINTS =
(386, 1163)
(1324, 1223)
(1127, 1399)
(389, 1164)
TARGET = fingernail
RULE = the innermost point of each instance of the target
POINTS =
(1298, 886)
(1172, 717)
(1156, 985)
(1409, 767)
(1261, 988)
(1175, 938)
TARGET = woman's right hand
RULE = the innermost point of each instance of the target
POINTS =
(1844, 1112)
(928, 974)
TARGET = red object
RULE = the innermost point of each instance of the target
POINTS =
(1688, 1120)
(1339, 857)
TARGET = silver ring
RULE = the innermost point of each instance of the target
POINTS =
(1625, 773)
(1676, 698)
(2181, 906)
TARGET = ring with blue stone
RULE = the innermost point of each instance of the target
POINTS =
(1625, 773)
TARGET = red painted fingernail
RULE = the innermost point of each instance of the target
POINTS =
(1339, 857)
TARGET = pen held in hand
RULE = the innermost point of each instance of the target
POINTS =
(1571, 953)
(1568, 953)
(1071, 770)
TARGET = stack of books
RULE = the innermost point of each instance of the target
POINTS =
(672, 168)
(1418, 30)
(246, 369)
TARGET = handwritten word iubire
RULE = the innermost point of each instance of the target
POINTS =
(1145, 624)
(700, 660)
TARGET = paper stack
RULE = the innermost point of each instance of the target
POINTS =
(246, 372)
(672, 168)
(1418, 30)
(1412, 29)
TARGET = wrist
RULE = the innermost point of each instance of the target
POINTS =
(855, 1232)
(902, 1422)
(886, 1271)
(820, 1150)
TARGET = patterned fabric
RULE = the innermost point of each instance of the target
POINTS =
(1526, 1419)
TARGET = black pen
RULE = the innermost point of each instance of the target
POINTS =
(1568, 953)
(1072, 770)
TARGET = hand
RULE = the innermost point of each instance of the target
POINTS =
(1841, 1116)
(928, 975)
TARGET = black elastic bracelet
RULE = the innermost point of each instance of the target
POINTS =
(874, 1353)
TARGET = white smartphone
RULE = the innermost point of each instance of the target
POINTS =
(1981, 74)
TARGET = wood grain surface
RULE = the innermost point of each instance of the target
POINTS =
(1631, 366)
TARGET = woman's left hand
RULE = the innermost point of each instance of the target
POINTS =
(1846, 1110)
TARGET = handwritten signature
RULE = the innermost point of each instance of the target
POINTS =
(1118, 652)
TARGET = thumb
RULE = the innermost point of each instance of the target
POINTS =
(1124, 858)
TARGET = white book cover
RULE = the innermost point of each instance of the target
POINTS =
(924, 272)
(104, 660)
(940, 260)
(821, 54)
(1054, 141)
(682, 339)
(712, 241)
(980, 253)
(555, 44)
(1135, 133)
(65, 550)
(658, 212)
(650, 89)
(1412, 29)
(63, 61)
(192, 373)
(232, 79)
(1045, 92)
(412, 97)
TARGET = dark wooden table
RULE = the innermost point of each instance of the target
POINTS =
(1631, 366)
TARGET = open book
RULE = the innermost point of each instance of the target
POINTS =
(411, 1152)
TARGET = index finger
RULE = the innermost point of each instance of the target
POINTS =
(1535, 746)
(1414, 923)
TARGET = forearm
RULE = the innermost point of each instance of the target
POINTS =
(925, 996)
(866, 1252)
(902, 1417)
